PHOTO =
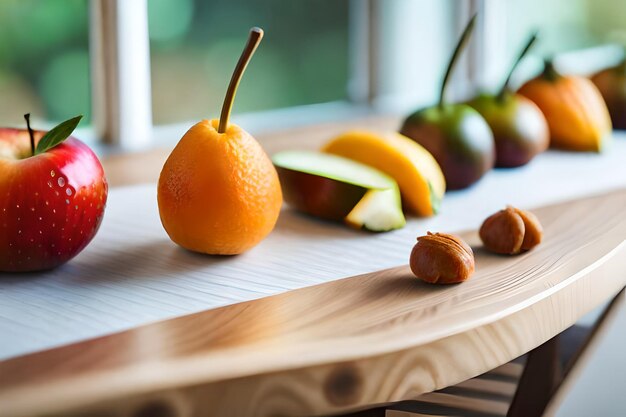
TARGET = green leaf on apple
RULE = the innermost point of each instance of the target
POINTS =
(57, 134)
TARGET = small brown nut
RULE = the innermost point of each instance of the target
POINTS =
(511, 231)
(440, 258)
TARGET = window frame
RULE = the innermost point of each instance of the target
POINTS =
(120, 71)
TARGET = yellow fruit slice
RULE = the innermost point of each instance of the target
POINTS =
(421, 181)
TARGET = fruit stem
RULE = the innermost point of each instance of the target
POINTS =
(31, 134)
(549, 72)
(505, 86)
(457, 51)
(254, 38)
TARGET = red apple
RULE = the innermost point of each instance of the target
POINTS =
(51, 204)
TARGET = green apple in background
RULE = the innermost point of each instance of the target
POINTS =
(455, 134)
(336, 188)
(519, 128)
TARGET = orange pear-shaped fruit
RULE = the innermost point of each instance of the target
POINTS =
(218, 192)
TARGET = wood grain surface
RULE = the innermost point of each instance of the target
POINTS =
(132, 274)
(341, 345)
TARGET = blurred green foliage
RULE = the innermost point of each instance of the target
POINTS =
(44, 56)
(195, 44)
(44, 59)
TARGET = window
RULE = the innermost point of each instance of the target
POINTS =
(582, 36)
(567, 25)
(140, 68)
(44, 60)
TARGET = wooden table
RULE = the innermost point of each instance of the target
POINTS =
(151, 330)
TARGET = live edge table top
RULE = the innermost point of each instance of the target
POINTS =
(274, 329)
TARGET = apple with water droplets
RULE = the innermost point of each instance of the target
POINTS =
(52, 197)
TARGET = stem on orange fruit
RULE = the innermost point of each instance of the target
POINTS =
(549, 72)
(254, 38)
(31, 134)
(457, 51)
(522, 54)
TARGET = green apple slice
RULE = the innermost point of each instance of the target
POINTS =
(331, 187)
(378, 211)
